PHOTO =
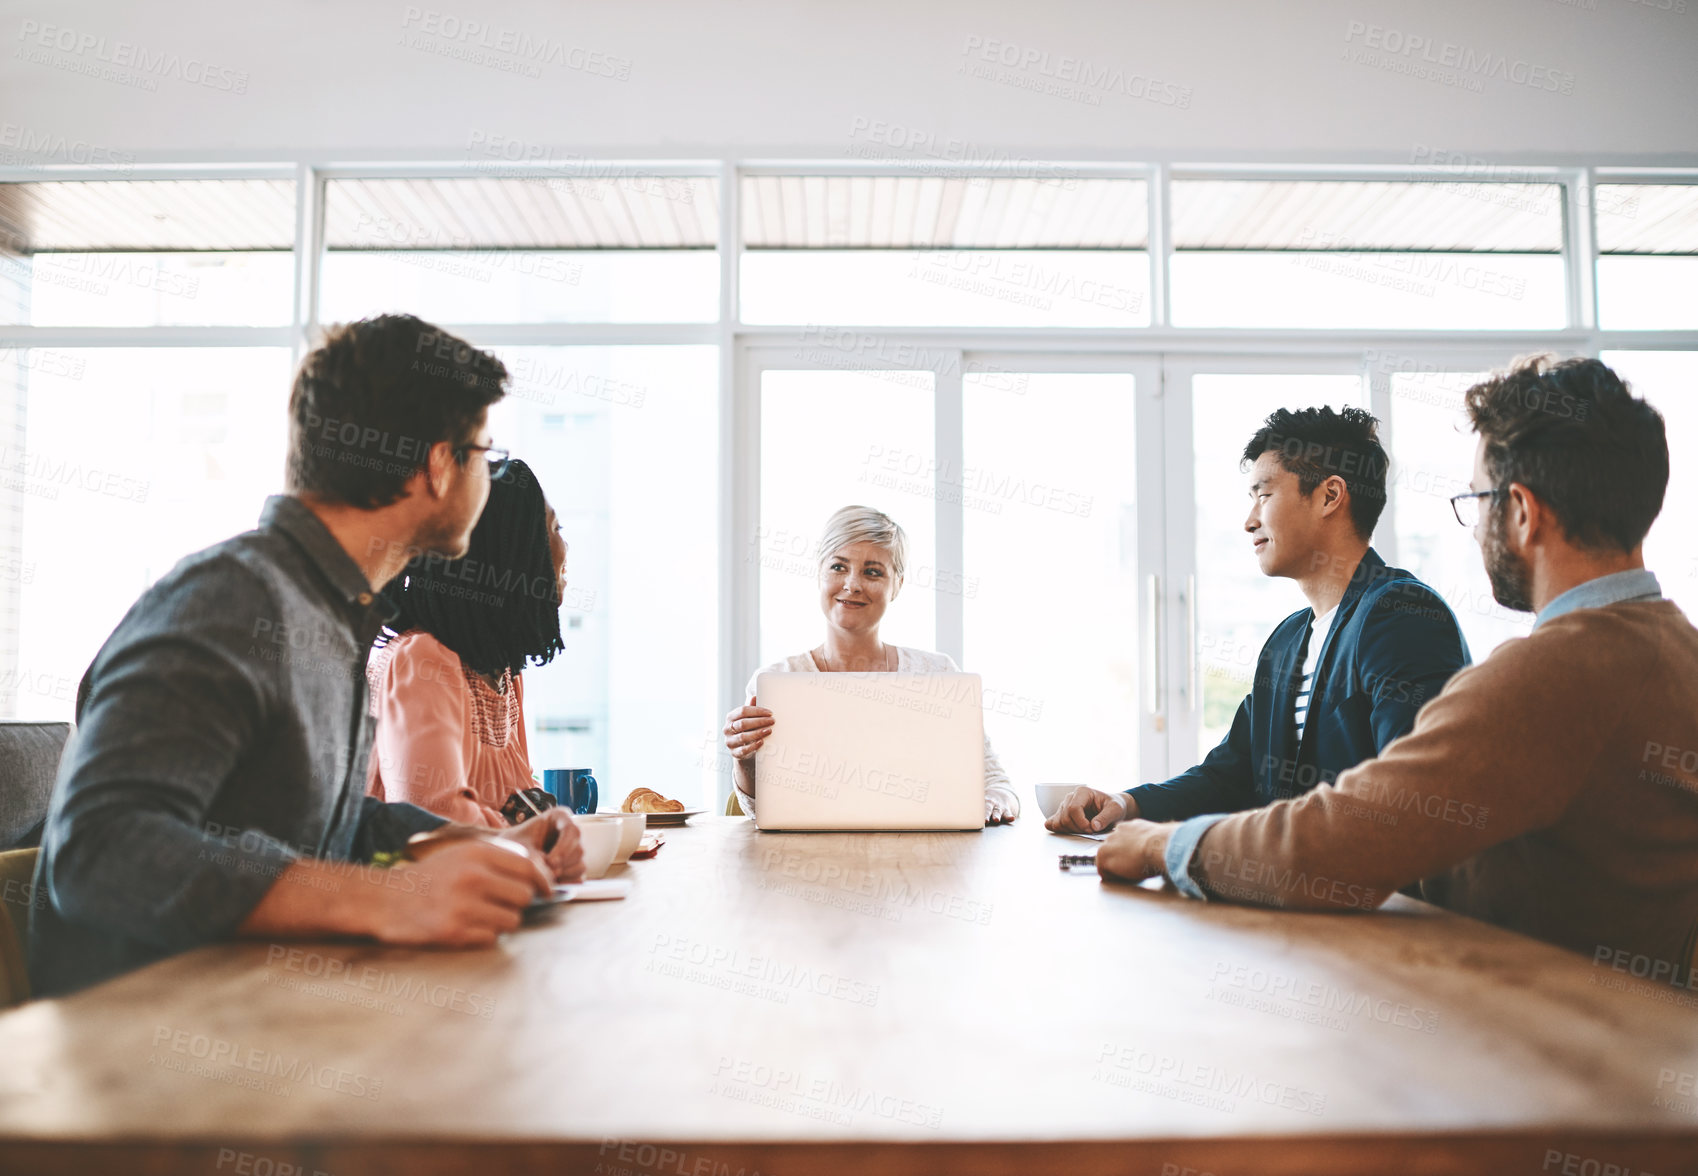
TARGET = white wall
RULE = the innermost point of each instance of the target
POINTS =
(1267, 80)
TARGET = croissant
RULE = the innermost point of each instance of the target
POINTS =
(647, 800)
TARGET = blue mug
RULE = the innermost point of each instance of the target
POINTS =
(572, 788)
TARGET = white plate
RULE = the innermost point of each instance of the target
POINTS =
(663, 820)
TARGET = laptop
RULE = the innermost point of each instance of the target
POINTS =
(871, 752)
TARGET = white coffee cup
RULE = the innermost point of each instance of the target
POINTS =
(631, 827)
(600, 841)
(1050, 796)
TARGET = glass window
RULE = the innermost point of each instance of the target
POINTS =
(1668, 379)
(1046, 250)
(947, 287)
(1351, 288)
(515, 286)
(542, 249)
(160, 289)
(123, 253)
(184, 448)
(624, 443)
(835, 439)
(1237, 606)
(1431, 446)
(1050, 591)
(1648, 256)
(1265, 253)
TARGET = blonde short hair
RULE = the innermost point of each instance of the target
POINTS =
(863, 524)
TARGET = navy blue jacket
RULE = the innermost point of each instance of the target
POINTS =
(1393, 646)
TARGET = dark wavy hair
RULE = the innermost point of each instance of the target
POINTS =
(498, 607)
(1317, 443)
(373, 397)
(1572, 432)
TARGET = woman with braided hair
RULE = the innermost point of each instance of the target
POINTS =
(446, 676)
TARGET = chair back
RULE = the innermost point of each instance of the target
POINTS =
(17, 895)
(29, 762)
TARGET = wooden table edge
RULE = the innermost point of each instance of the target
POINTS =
(1635, 1152)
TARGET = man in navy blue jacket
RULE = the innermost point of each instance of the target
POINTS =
(1339, 680)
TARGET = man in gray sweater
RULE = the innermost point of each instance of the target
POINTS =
(1553, 788)
(216, 783)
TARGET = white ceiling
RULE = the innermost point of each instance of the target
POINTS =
(1242, 81)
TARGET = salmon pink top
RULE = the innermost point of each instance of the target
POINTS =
(447, 740)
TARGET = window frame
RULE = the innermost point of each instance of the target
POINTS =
(741, 347)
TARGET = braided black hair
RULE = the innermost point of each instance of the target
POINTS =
(499, 606)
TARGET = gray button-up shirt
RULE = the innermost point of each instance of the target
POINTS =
(222, 732)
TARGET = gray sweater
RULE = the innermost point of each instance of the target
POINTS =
(223, 733)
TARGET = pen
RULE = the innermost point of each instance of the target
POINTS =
(1069, 860)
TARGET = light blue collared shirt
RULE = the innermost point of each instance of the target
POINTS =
(1637, 584)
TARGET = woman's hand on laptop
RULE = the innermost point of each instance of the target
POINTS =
(1001, 806)
(1088, 811)
(746, 728)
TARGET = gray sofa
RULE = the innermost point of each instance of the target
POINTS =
(29, 761)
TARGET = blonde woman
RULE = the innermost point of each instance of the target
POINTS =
(863, 555)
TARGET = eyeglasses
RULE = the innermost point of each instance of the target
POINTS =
(500, 460)
(1466, 507)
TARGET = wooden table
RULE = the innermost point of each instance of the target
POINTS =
(890, 1003)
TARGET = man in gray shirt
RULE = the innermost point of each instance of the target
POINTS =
(215, 786)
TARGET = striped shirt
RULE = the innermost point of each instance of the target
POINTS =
(1317, 639)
